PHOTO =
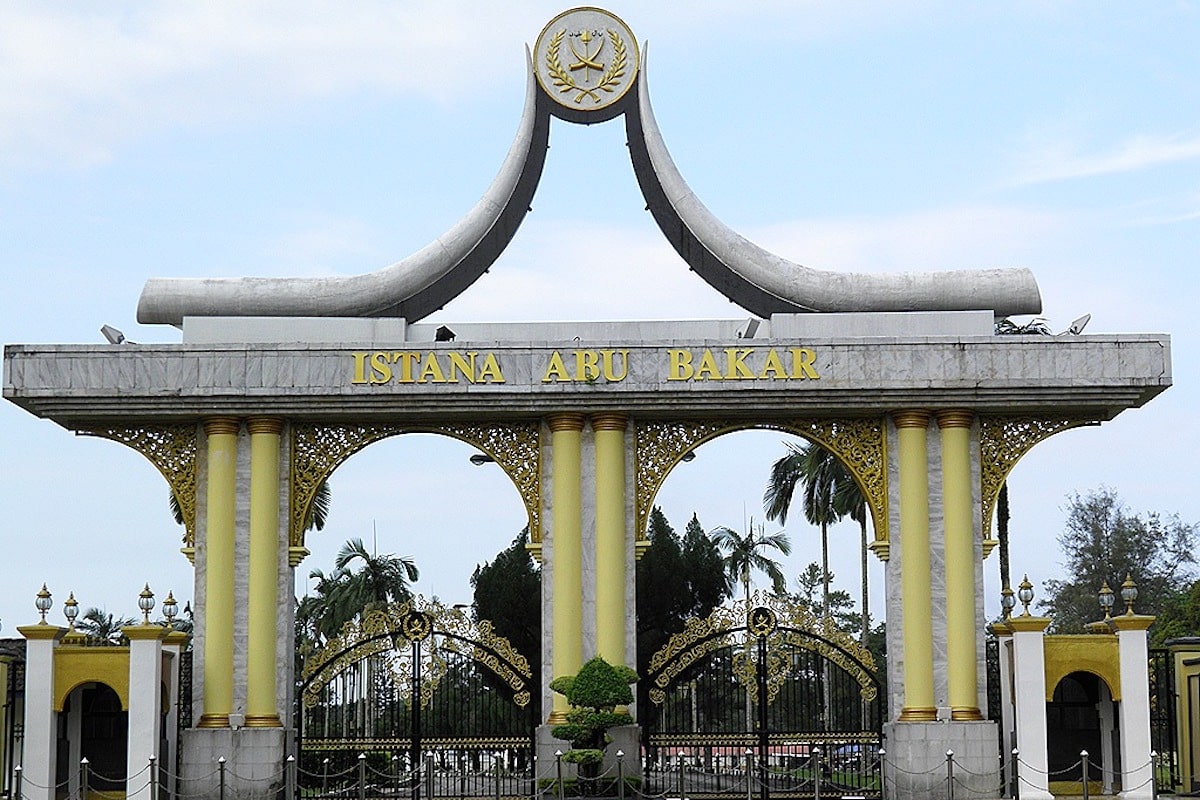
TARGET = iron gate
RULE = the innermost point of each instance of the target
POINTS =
(416, 699)
(763, 698)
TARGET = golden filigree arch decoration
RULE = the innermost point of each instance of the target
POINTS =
(739, 622)
(385, 634)
(172, 449)
(859, 442)
(317, 449)
(1003, 441)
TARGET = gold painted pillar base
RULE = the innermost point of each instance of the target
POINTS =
(557, 717)
(213, 721)
(263, 721)
(918, 715)
(968, 714)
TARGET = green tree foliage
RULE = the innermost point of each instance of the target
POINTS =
(1180, 616)
(594, 693)
(676, 579)
(508, 593)
(101, 626)
(1105, 541)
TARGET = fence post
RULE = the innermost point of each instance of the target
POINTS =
(558, 768)
(681, 768)
(1083, 757)
(430, 782)
(1154, 774)
(620, 775)
(882, 774)
(84, 781)
(362, 776)
(950, 774)
(818, 768)
(325, 776)
(152, 771)
(496, 765)
(462, 778)
(290, 777)
(749, 774)
(221, 778)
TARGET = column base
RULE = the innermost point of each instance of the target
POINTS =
(965, 714)
(556, 717)
(263, 721)
(915, 766)
(918, 714)
(213, 721)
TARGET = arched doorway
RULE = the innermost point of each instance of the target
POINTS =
(93, 725)
(1081, 716)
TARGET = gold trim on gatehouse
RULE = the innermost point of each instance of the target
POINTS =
(859, 442)
(319, 449)
(1003, 441)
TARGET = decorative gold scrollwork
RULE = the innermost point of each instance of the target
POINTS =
(783, 624)
(860, 442)
(379, 636)
(1003, 441)
(318, 449)
(172, 450)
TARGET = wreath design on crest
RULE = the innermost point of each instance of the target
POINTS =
(608, 83)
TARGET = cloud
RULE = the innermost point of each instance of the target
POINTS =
(1058, 161)
(82, 80)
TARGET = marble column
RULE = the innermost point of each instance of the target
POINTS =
(40, 743)
(145, 704)
(1134, 723)
(1029, 680)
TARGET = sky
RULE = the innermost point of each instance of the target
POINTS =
(144, 140)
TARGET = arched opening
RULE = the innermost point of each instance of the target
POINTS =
(93, 725)
(1081, 716)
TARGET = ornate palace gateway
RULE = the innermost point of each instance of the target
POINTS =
(278, 381)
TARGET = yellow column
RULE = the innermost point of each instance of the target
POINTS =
(961, 672)
(610, 536)
(914, 567)
(566, 536)
(262, 600)
(218, 572)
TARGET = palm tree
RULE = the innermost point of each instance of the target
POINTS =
(380, 579)
(829, 493)
(744, 555)
(99, 625)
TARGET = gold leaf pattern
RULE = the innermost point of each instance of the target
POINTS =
(860, 442)
(172, 450)
(1003, 441)
(318, 449)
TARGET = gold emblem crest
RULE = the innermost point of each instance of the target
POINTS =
(586, 59)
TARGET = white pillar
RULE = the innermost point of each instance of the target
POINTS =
(40, 754)
(1029, 678)
(145, 705)
(1134, 718)
(1107, 723)
(1007, 710)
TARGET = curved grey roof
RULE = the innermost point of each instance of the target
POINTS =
(765, 284)
(758, 281)
(413, 288)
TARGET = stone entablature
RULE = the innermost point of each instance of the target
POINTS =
(1096, 376)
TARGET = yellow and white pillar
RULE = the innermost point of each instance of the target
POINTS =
(566, 541)
(222, 435)
(609, 430)
(919, 702)
(961, 642)
(262, 600)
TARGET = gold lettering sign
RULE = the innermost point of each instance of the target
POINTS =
(407, 366)
(742, 364)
